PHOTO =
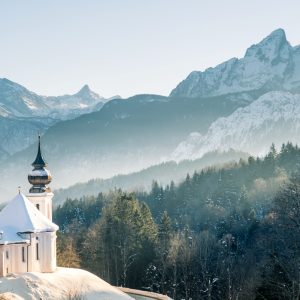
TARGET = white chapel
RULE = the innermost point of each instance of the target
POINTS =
(27, 233)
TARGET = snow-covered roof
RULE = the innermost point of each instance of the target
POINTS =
(21, 216)
(8, 235)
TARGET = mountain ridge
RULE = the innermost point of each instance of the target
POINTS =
(17, 101)
(270, 64)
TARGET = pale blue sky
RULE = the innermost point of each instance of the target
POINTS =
(127, 47)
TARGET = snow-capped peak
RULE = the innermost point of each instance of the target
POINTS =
(85, 91)
(271, 64)
(272, 47)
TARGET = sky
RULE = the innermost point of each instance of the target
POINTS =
(128, 47)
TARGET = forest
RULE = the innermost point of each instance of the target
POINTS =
(230, 232)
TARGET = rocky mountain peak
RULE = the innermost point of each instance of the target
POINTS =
(85, 89)
(86, 92)
(271, 47)
(272, 64)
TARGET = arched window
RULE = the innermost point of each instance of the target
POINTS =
(38, 206)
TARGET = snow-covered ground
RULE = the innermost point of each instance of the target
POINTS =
(65, 283)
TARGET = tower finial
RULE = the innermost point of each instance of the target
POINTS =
(19, 189)
(39, 160)
(39, 177)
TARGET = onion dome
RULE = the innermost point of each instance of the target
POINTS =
(39, 177)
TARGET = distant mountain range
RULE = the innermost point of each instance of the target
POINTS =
(23, 113)
(244, 104)
(17, 101)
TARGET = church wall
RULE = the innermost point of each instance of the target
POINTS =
(11, 259)
(17, 263)
(49, 252)
(44, 201)
(46, 249)
(38, 259)
(34, 253)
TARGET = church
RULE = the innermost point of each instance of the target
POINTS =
(27, 233)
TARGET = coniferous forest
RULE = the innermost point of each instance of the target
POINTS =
(222, 233)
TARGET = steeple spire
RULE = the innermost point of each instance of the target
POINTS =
(39, 177)
(39, 162)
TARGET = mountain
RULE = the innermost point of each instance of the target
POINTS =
(70, 106)
(17, 101)
(272, 118)
(23, 113)
(127, 135)
(142, 180)
(272, 64)
(17, 134)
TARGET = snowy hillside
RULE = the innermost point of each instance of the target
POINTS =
(17, 101)
(65, 283)
(274, 117)
(272, 64)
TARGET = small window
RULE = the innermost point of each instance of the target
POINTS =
(38, 206)
(23, 254)
(37, 251)
(7, 254)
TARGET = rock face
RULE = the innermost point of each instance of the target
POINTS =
(273, 118)
(272, 64)
(65, 283)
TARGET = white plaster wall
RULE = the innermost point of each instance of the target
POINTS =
(47, 255)
(45, 202)
(14, 262)
(47, 252)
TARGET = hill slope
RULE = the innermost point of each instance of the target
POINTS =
(142, 180)
(273, 118)
(65, 283)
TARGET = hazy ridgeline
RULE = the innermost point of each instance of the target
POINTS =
(229, 233)
(141, 180)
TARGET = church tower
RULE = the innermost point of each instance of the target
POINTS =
(40, 194)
